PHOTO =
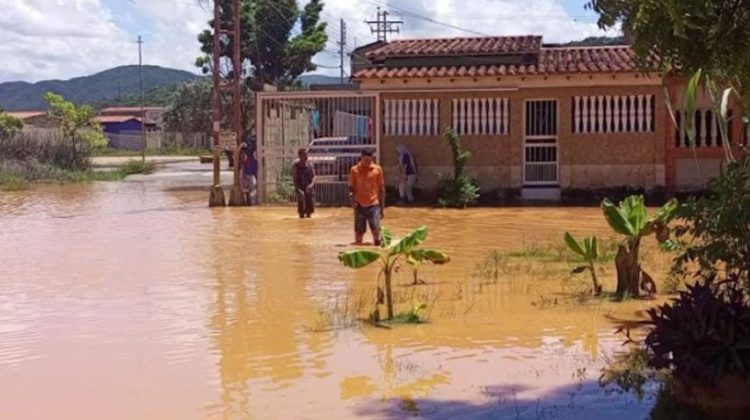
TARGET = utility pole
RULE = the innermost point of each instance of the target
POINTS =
(382, 26)
(231, 137)
(143, 111)
(342, 48)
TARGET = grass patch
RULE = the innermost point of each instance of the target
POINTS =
(169, 151)
(131, 167)
(20, 175)
(11, 181)
(536, 252)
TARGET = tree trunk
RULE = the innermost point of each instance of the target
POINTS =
(628, 269)
(595, 281)
(388, 294)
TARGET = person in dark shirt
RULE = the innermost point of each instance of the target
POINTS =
(303, 175)
(407, 167)
(249, 174)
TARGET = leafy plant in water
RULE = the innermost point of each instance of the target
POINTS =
(415, 316)
(628, 372)
(716, 227)
(589, 251)
(391, 253)
(704, 334)
(458, 190)
(490, 268)
(631, 219)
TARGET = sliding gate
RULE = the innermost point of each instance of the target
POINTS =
(334, 126)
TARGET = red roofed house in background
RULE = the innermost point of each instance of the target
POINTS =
(537, 117)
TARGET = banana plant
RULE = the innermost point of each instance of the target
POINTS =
(589, 251)
(631, 220)
(392, 251)
(720, 100)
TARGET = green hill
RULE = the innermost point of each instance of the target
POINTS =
(113, 86)
(596, 41)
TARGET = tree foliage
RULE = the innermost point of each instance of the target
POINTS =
(708, 35)
(271, 51)
(9, 125)
(191, 110)
(78, 126)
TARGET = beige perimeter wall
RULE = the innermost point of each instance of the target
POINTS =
(586, 160)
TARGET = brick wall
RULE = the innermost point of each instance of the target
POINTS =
(586, 160)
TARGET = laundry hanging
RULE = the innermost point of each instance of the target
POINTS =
(346, 124)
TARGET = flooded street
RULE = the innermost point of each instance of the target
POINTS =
(134, 300)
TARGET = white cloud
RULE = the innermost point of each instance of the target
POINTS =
(51, 39)
(45, 39)
(475, 17)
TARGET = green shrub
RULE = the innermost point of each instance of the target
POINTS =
(458, 190)
(716, 227)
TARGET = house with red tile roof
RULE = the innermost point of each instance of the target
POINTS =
(540, 118)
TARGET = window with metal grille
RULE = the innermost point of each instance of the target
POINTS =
(481, 116)
(613, 114)
(411, 117)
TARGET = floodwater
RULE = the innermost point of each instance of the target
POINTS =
(134, 300)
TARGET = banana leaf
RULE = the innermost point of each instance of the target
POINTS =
(573, 245)
(408, 242)
(428, 255)
(616, 219)
(358, 258)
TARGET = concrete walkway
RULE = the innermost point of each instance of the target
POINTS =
(112, 161)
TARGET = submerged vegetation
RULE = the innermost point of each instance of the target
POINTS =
(392, 252)
(631, 220)
(589, 251)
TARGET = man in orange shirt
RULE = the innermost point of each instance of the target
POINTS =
(367, 192)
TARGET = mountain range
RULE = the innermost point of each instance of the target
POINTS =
(106, 86)
(116, 86)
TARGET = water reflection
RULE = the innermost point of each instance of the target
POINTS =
(264, 286)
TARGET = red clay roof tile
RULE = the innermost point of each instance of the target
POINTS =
(494, 45)
(553, 60)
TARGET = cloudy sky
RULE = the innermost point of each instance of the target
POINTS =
(60, 39)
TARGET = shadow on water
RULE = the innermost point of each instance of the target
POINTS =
(581, 401)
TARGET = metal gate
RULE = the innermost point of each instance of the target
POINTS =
(334, 126)
(540, 143)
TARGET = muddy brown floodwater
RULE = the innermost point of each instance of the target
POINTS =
(135, 301)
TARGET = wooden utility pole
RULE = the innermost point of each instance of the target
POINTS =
(143, 110)
(226, 138)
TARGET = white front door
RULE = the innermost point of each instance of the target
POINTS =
(540, 166)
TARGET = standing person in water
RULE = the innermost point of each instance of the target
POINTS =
(407, 168)
(249, 173)
(367, 192)
(303, 175)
